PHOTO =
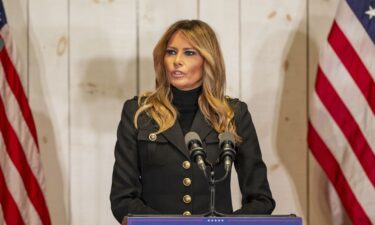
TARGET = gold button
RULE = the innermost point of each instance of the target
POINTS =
(186, 199)
(186, 165)
(152, 136)
(186, 182)
(186, 213)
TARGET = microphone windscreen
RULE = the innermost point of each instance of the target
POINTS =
(192, 136)
(226, 136)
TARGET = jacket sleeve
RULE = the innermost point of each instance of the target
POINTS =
(251, 170)
(126, 187)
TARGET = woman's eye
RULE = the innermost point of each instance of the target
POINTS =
(171, 52)
(190, 53)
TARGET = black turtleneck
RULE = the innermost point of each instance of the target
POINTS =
(186, 103)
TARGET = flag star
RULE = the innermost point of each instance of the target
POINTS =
(370, 12)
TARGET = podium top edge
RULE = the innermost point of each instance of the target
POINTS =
(225, 216)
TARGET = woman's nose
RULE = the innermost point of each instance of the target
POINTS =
(177, 60)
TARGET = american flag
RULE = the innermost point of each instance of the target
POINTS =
(341, 125)
(21, 178)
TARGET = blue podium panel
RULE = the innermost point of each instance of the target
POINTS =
(214, 220)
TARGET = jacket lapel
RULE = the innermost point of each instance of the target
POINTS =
(176, 137)
(201, 125)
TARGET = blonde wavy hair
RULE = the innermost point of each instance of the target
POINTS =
(212, 102)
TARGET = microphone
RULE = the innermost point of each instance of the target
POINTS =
(227, 145)
(196, 152)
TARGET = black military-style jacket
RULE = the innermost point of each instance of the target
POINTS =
(153, 174)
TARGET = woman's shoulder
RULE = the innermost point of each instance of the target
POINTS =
(138, 100)
(236, 104)
(131, 105)
(131, 102)
(135, 101)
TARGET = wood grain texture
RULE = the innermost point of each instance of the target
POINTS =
(102, 76)
(273, 83)
(49, 92)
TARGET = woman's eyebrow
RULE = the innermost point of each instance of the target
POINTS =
(174, 48)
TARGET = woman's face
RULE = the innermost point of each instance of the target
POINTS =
(183, 64)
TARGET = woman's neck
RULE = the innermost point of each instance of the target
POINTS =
(186, 103)
(184, 98)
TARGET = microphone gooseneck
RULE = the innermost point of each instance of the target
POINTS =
(228, 152)
(198, 155)
(196, 151)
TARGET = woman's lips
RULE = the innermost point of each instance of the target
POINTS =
(177, 74)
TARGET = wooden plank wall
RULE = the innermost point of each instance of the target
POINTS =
(81, 59)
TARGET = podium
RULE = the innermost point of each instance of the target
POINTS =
(198, 220)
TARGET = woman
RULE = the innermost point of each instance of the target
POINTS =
(153, 173)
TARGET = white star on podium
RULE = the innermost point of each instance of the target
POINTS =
(370, 12)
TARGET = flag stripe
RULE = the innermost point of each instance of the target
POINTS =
(357, 36)
(347, 124)
(20, 161)
(359, 7)
(17, 155)
(16, 86)
(359, 109)
(335, 175)
(353, 64)
(16, 188)
(341, 130)
(14, 113)
(10, 211)
(336, 142)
